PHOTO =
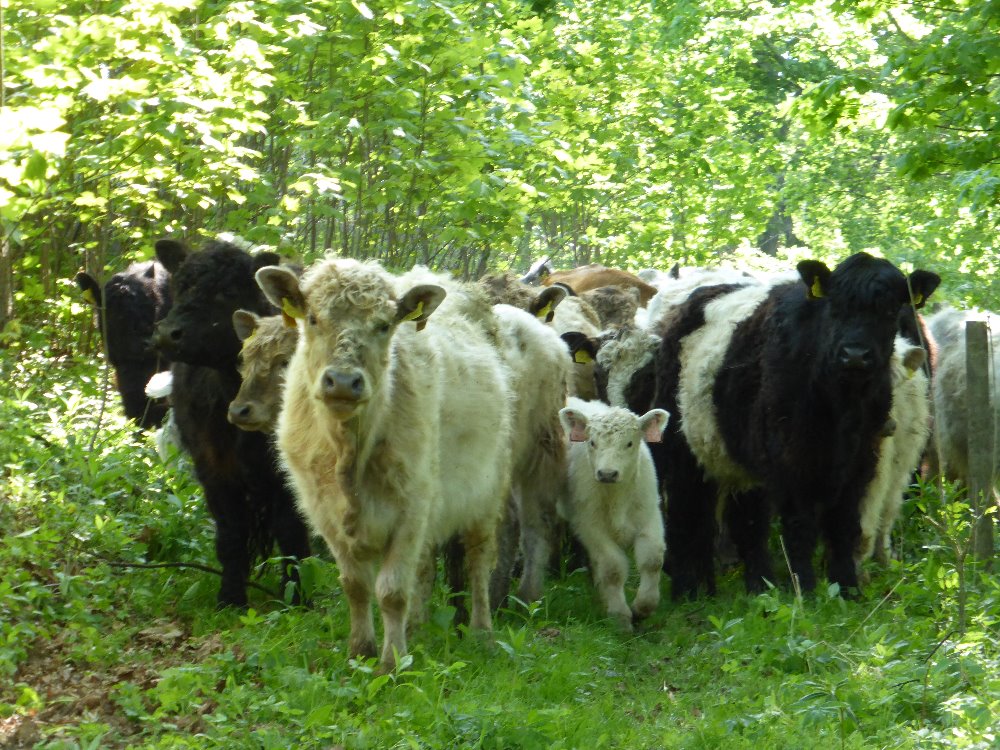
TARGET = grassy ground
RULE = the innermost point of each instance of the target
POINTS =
(95, 655)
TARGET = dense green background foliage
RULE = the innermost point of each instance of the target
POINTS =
(469, 136)
(472, 135)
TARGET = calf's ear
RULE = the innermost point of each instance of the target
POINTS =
(245, 323)
(418, 303)
(914, 358)
(653, 423)
(281, 287)
(545, 304)
(574, 424)
(90, 288)
(922, 284)
(582, 348)
(815, 275)
(171, 253)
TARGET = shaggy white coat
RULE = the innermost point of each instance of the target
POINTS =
(899, 453)
(949, 391)
(425, 457)
(611, 515)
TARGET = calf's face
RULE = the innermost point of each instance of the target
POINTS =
(348, 314)
(861, 303)
(268, 345)
(613, 438)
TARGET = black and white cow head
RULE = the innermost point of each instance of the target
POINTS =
(859, 304)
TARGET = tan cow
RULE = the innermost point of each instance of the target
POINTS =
(268, 346)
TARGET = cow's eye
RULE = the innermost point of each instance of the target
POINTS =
(629, 444)
(382, 328)
(312, 320)
(593, 444)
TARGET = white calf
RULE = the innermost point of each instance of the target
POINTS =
(613, 501)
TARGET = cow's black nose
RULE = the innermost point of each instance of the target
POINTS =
(855, 358)
(608, 476)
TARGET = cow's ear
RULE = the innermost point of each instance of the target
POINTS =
(914, 358)
(675, 271)
(544, 305)
(582, 348)
(266, 259)
(418, 303)
(90, 288)
(171, 253)
(574, 424)
(281, 287)
(922, 285)
(816, 276)
(245, 323)
(653, 423)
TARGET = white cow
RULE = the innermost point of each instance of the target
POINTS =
(395, 430)
(613, 503)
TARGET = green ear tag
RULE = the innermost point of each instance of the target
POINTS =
(415, 313)
(545, 312)
(582, 357)
(918, 299)
(88, 296)
(816, 290)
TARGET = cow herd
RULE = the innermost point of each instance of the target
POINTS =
(400, 414)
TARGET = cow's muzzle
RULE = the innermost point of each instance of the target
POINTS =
(342, 390)
(856, 358)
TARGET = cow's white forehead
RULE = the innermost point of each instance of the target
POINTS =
(348, 285)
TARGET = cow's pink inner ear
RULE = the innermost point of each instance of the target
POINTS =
(653, 423)
(577, 426)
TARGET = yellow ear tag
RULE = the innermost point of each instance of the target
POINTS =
(918, 299)
(248, 339)
(415, 313)
(290, 312)
(88, 296)
(582, 357)
(816, 290)
(289, 309)
(545, 312)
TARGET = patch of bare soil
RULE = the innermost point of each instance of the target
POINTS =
(74, 693)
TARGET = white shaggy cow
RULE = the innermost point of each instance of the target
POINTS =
(395, 430)
(950, 401)
(539, 372)
(613, 501)
(899, 451)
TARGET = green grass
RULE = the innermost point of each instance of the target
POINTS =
(93, 655)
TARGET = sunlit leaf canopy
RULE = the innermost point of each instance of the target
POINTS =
(472, 136)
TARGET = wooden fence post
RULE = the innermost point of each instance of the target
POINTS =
(979, 408)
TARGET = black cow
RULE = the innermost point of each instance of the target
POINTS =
(245, 491)
(780, 396)
(128, 308)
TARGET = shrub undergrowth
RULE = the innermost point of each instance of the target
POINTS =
(93, 654)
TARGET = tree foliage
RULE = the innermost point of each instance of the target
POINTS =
(470, 136)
